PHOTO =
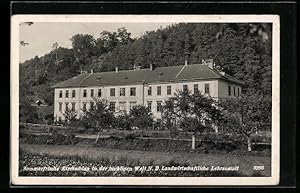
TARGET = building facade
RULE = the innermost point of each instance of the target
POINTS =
(149, 87)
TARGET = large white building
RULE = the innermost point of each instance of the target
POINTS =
(149, 87)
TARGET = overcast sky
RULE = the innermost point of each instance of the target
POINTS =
(41, 36)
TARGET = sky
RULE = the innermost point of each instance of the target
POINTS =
(41, 36)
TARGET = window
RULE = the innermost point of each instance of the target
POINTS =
(84, 93)
(99, 92)
(206, 88)
(60, 94)
(196, 88)
(122, 91)
(73, 94)
(60, 107)
(158, 106)
(84, 106)
(229, 90)
(132, 91)
(67, 94)
(112, 92)
(67, 106)
(233, 91)
(158, 90)
(149, 105)
(238, 91)
(169, 90)
(112, 106)
(73, 106)
(122, 106)
(185, 88)
(91, 105)
(92, 92)
(132, 104)
(150, 91)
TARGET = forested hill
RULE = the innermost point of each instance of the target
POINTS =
(242, 50)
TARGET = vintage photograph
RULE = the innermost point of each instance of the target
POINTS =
(134, 97)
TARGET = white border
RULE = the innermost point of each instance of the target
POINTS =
(14, 91)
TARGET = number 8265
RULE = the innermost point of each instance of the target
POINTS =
(258, 167)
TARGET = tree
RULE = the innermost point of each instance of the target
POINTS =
(28, 113)
(122, 121)
(191, 112)
(123, 36)
(140, 117)
(98, 117)
(169, 117)
(70, 116)
(108, 40)
(247, 114)
(84, 47)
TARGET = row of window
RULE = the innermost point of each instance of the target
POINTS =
(132, 91)
(234, 91)
(67, 94)
(67, 106)
(74, 93)
(112, 105)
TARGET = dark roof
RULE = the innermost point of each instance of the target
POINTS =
(160, 74)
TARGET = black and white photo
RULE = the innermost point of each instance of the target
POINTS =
(145, 99)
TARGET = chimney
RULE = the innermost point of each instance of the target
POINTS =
(223, 73)
(151, 67)
(117, 69)
(209, 63)
(186, 56)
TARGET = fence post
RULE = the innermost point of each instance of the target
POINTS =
(193, 141)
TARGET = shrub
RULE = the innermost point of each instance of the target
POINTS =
(53, 139)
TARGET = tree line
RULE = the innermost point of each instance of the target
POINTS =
(242, 50)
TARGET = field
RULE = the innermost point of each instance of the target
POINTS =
(40, 148)
(94, 154)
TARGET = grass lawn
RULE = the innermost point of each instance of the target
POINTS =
(245, 162)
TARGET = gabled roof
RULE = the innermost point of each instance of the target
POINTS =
(139, 76)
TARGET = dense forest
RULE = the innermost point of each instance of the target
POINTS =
(242, 50)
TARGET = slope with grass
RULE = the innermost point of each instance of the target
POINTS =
(94, 154)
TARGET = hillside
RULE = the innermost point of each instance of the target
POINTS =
(242, 50)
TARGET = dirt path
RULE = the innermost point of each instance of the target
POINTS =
(245, 163)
